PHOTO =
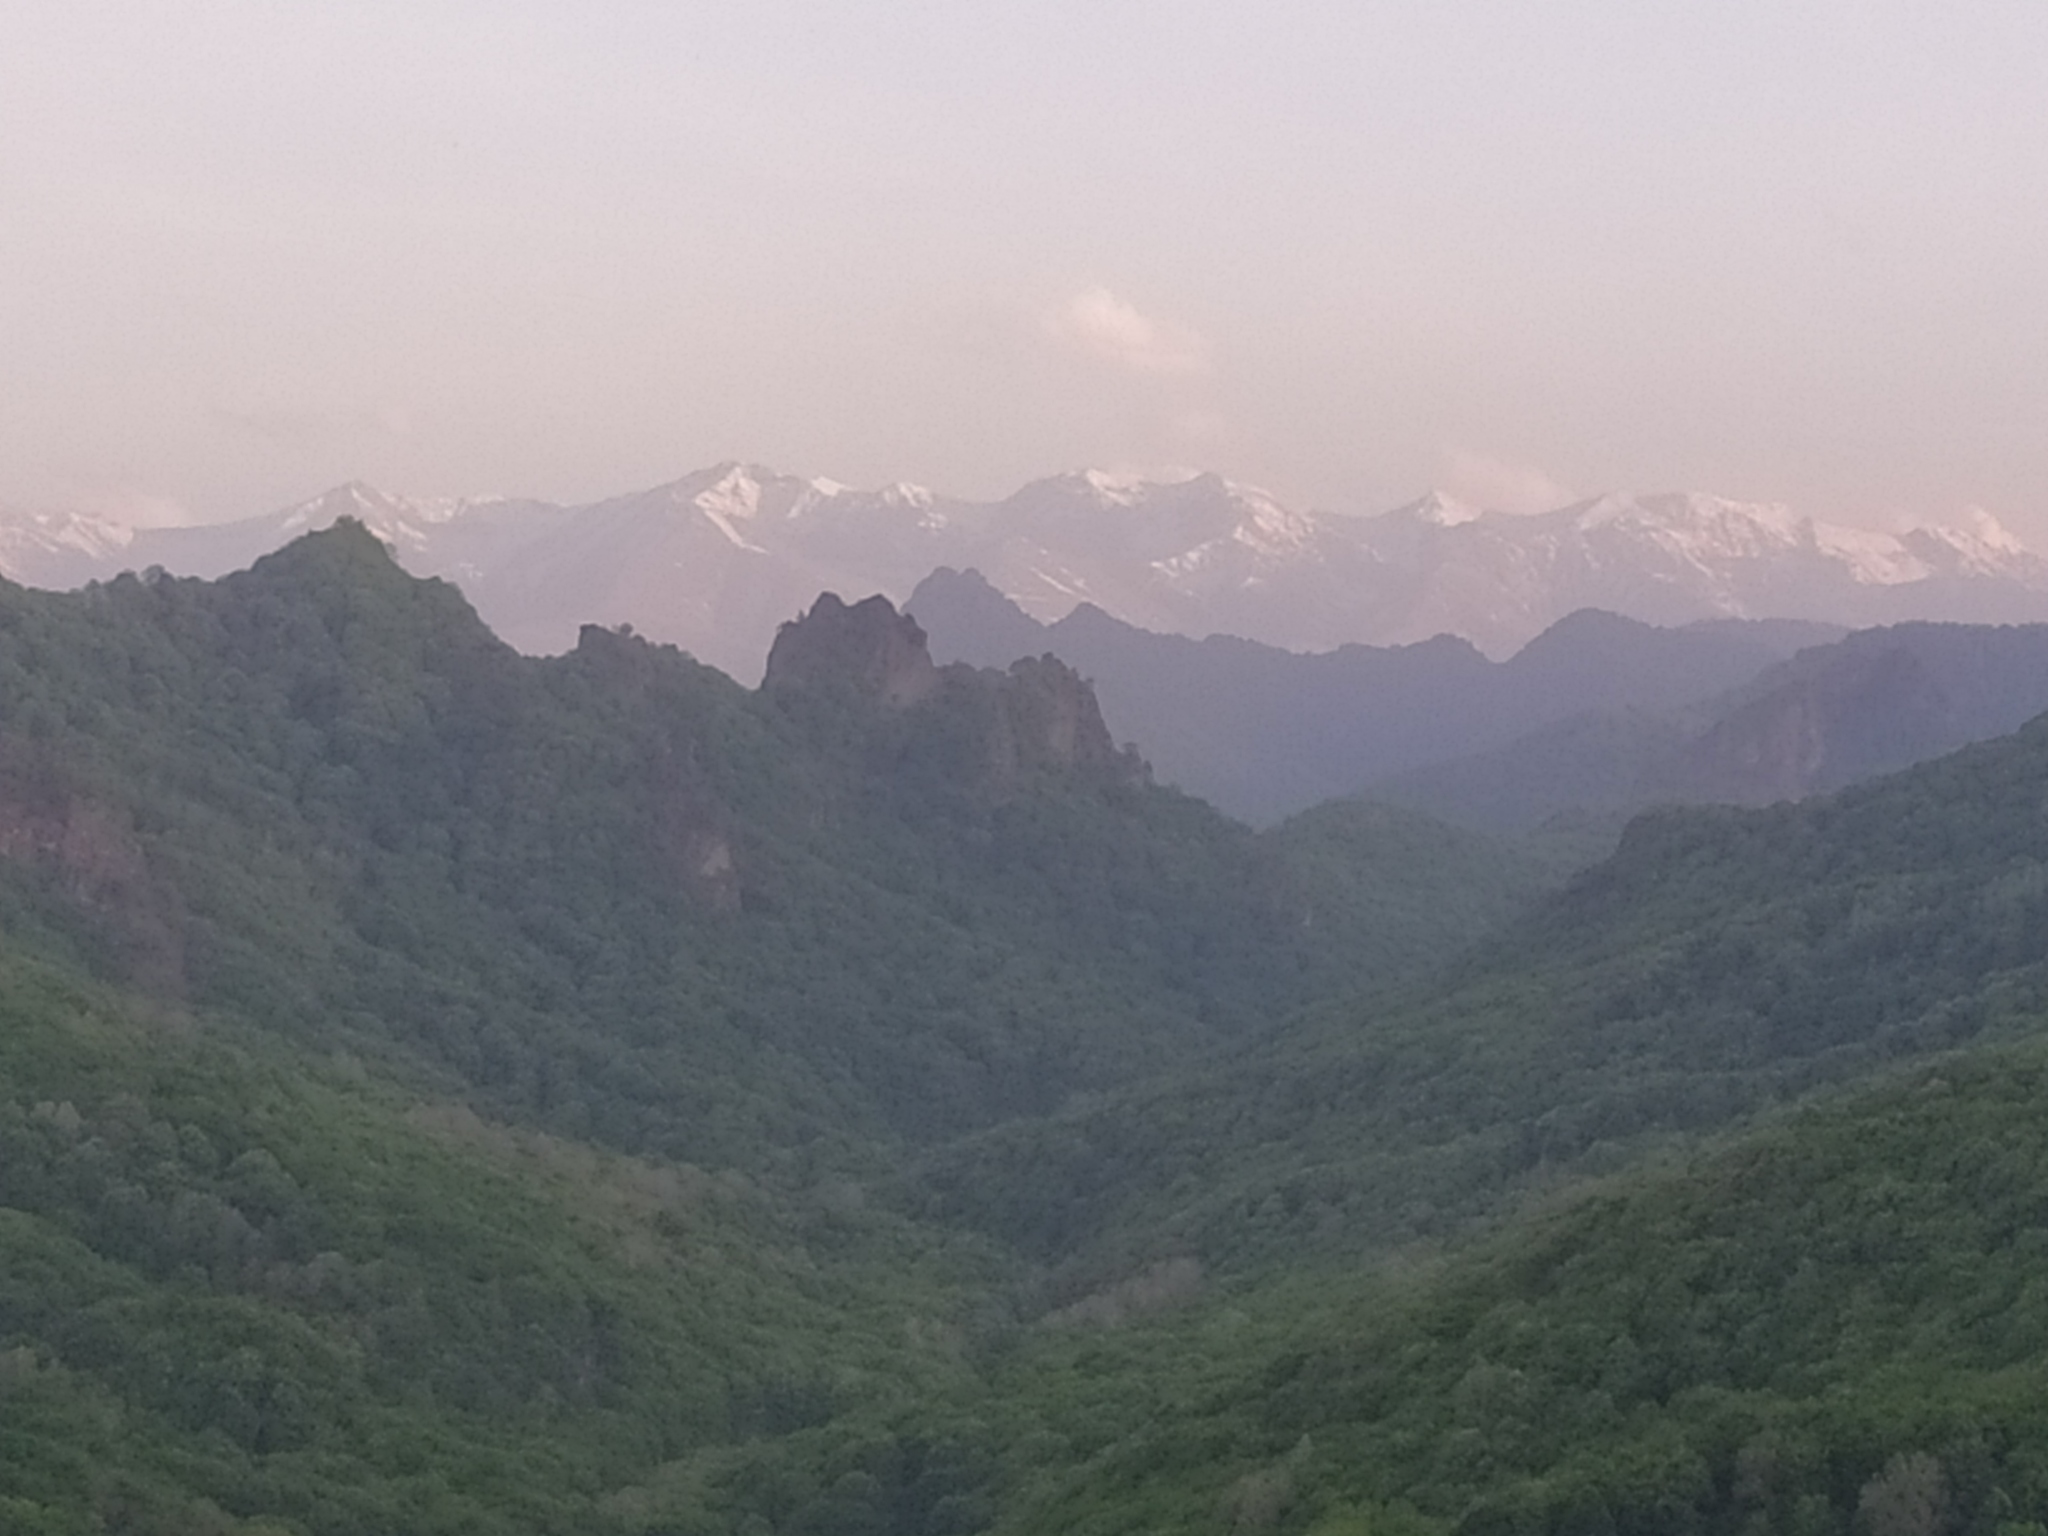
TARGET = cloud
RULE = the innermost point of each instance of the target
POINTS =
(1098, 324)
(1500, 486)
(139, 509)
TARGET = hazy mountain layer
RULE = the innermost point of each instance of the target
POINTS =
(714, 561)
(1875, 701)
(1262, 732)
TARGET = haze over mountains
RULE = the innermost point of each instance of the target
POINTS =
(1262, 732)
(1875, 701)
(714, 561)
(1599, 715)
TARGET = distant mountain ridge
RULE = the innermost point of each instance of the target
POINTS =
(1262, 732)
(1872, 702)
(715, 560)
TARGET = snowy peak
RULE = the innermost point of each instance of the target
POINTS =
(1983, 531)
(1979, 545)
(1439, 509)
(400, 523)
(1108, 487)
(355, 499)
(731, 497)
(904, 494)
(1709, 525)
(1206, 502)
(715, 560)
(59, 549)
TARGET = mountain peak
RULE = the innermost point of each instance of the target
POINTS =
(1976, 544)
(352, 498)
(712, 560)
(733, 487)
(1104, 487)
(1442, 510)
(902, 493)
(1117, 487)
(1987, 530)
(346, 553)
(866, 648)
(1697, 528)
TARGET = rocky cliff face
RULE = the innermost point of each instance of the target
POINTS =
(869, 650)
(1048, 719)
(978, 727)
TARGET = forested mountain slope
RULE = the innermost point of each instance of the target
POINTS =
(612, 891)
(1723, 959)
(445, 1090)
(246, 1289)
(1835, 1324)
(449, 1091)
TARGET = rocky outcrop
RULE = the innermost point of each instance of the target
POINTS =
(1048, 719)
(975, 727)
(869, 650)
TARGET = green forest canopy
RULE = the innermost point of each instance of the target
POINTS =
(444, 1090)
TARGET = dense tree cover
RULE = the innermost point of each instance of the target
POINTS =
(235, 1285)
(1723, 960)
(442, 1090)
(614, 892)
(1836, 1323)
(302, 1213)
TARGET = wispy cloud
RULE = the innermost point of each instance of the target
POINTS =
(1100, 325)
(1500, 485)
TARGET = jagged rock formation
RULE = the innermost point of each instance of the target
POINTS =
(994, 729)
(868, 649)
(1049, 718)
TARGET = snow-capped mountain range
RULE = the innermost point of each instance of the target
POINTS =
(714, 561)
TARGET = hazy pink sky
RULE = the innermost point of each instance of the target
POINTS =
(1348, 251)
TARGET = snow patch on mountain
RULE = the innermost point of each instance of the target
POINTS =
(715, 560)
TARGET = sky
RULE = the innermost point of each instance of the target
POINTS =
(1792, 251)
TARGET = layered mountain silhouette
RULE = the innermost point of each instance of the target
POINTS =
(714, 561)
(450, 1091)
(1872, 702)
(1599, 714)
(1263, 732)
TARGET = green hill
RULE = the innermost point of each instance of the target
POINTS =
(614, 893)
(1838, 1322)
(239, 1286)
(443, 1090)
(449, 1091)
(1722, 961)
